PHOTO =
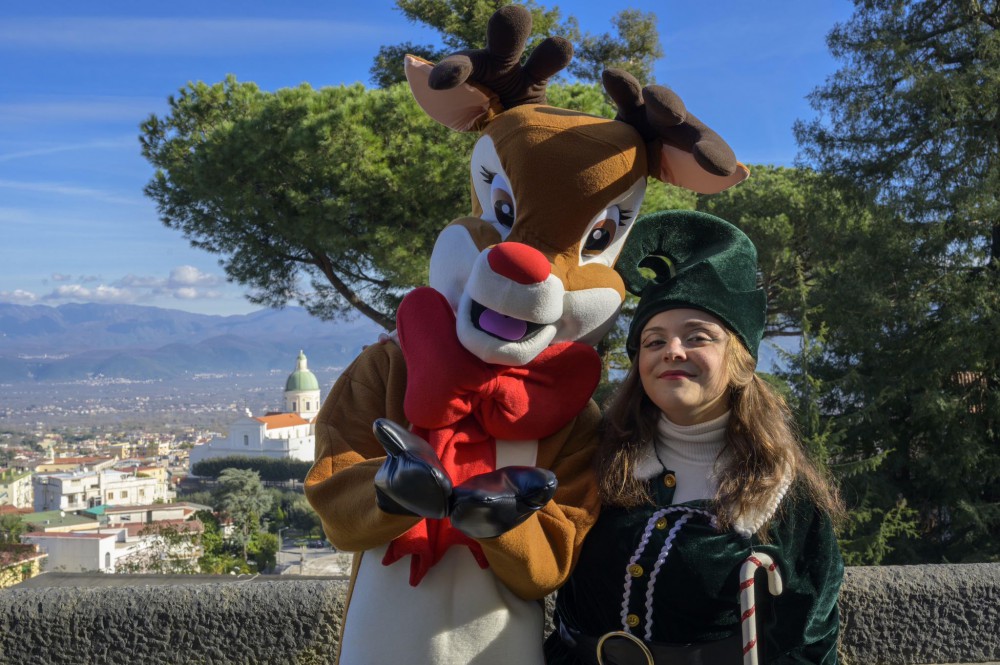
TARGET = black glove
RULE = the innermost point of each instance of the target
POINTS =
(411, 481)
(490, 504)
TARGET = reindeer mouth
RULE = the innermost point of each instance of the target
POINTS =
(501, 326)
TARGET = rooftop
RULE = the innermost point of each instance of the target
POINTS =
(110, 532)
(182, 526)
(282, 420)
(77, 460)
(54, 518)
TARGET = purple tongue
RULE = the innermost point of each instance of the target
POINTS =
(502, 326)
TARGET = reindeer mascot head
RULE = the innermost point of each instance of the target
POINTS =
(465, 450)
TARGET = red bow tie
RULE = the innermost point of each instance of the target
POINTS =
(461, 405)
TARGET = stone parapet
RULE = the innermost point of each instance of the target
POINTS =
(892, 615)
(921, 614)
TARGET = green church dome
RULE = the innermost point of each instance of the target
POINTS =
(301, 378)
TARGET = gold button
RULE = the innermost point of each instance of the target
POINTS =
(635, 570)
(661, 523)
(632, 620)
(670, 480)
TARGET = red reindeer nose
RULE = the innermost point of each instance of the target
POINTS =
(519, 263)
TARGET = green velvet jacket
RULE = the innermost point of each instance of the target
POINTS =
(695, 592)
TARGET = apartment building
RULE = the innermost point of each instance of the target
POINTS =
(81, 490)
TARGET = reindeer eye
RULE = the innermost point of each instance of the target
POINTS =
(600, 237)
(603, 231)
(502, 201)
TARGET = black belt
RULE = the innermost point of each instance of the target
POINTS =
(621, 648)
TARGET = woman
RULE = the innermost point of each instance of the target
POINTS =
(700, 470)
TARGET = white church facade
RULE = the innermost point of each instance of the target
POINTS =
(287, 435)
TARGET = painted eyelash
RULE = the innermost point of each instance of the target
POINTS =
(624, 216)
(487, 175)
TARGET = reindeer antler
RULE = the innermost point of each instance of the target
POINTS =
(498, 67)
(658, 113)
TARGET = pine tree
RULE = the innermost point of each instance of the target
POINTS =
(911, 118)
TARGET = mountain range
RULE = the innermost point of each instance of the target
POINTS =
(40, 343)
(77, 342)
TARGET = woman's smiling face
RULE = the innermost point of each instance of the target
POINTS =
(682, 365)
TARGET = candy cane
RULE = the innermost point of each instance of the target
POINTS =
(747, 603)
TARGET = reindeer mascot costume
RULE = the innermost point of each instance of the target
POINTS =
(457, 463)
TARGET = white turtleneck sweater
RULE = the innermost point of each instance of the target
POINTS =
(691, 452)
(695, 453)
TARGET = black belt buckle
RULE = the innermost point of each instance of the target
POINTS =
(629, 637)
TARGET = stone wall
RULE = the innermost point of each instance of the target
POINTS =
(890, 615)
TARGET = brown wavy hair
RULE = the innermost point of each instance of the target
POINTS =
(760, 435)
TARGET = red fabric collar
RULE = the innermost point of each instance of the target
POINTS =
(461, 405)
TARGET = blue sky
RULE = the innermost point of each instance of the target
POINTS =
(78, 78)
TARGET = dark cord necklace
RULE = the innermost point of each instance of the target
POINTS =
(658, 458)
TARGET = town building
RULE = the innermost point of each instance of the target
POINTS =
(157, 512)
(169, 545)
(68, 464)
(16, 489)
(281, 435)
(80, 490)
(75, 552)
(140, 469)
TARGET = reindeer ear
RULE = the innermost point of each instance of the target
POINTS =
(463, 108)
(679, 167)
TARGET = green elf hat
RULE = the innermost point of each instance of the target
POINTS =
(681, 258)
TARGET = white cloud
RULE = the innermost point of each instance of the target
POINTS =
(188, 276)
(69, 291)
(18, 297)
(110, 294)
(100, 294)
(186, 293)
(184, 282)
(190, 293)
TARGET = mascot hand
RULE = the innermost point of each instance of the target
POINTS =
(411, 481)
(490, 504)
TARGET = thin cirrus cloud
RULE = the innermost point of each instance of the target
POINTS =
(60, 189)
(186, 37)
(83, 279)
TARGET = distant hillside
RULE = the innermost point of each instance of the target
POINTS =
(73, 342)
